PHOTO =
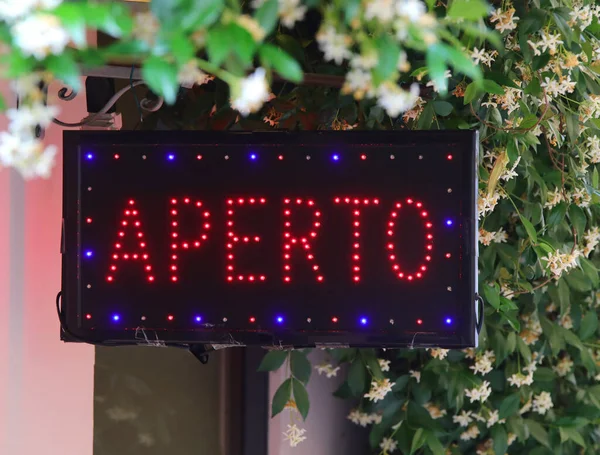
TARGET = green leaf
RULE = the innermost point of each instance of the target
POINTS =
(589, 325)
(509, 406)
(357, 377)
(442, 108)
(563, 26)
(492, 295)
(161, 77)
(243, 43)
(500, 439)
(300, 366)
(417, 441)
(578, 219)
(426, 117)
(434, 443)
(300, 397)
(590, 271)
(492, 87)
(557, 215)
(552, 333)
(219, 44)
(292, 46)
(266, 15)
(200, 13)
(471, 92)
(273, 360)
(468, 9)
(373, 364)
(436, 62)
(72, 18)
(182, 48)
(63, 66)
(524, 350)
(351, 9)
(388, 53)
(544, 374)
(283, 63)
(531, 232)
(462, 62)
(573, 435)
(578, 281)
(281, 397)
(563, 296)
(534, 87)
(538, 432)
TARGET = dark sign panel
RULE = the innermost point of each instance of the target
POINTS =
(293, 238)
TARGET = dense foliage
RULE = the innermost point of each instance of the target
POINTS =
(533, 385)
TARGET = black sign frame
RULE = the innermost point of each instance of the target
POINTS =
(460, 147)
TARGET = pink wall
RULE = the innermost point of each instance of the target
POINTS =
(46, 386)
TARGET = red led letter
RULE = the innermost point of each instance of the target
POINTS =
(184, 244)
(356, 203)
(234, 238)
(390, 246)
(290, 240)
(129, 222)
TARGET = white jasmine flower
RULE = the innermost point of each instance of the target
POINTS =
(511, 438)
(40, 35)
(357, 81)
(505, 20)
(464, 418)
(27, 84)
(257, 3)
(550, 42)
(416, 375)
(291, 11)
(434, 411)
(28, 155)
(382, 10)
(12, 10)
(23, 121)
(483, 364)
(526, 407)
(434, 84)
(593, 149)
(146, 27)
(519, 379)
(396, 100)
(384, 364)
(480, 393)
(388, 445)
(581, 197)
(413, 10)
(471, 433)
(294, 434)
(542, 403)
(328, 369)
(554, 198)
(558, 262)
(334, 45)
(487, 203)
(190, 75)
(379, 389)
(493, 418)
(592, 238)
(366, 60)
(252, 26)
(469, 353)
(510, 173)
(563, 367)
(438, 353)
(250, 93)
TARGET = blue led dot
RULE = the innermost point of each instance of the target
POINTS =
(448, 321)
(116, 317)
(336, 157)
(363, 321)
(89, 156)
(170, 157)
(253, 156)
(279, 319)
(198, 318)
(88, 254)
(449, 222)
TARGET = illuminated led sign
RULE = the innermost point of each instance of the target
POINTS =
(363, 238)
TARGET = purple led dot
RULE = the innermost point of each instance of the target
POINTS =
(449, 222)
(448, 321)
(336, 157)
(170, 157)
(88, 254)
(89, 156)
(198, 318)
(116, 317)
(363, 321)
(253, 156)
(279, 319)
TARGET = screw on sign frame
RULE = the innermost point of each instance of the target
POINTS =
(365, 239)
